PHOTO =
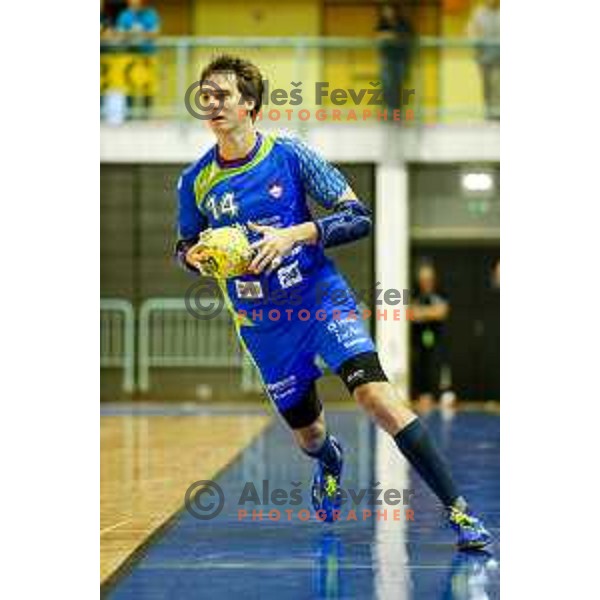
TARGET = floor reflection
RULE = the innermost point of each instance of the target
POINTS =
(370, 558)
(473, 576)
(327, 571)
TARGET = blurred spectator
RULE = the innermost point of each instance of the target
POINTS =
(105, 25)
(395, 35)
(109, 9)
(138, 25)
(429, 312)
(139, 22)
(491, 319)
(496, 275)
(485, 26)
(106, 31)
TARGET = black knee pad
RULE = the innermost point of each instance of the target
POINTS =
(305, 412)
(360, 369)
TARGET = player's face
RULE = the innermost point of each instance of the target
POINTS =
(426, 279)
(388, 12)
(230, 111)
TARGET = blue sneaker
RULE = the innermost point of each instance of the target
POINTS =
(472, 534)
(325, 491)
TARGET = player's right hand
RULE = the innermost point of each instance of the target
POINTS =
(196, 257)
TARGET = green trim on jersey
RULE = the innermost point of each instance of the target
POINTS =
(212, 174)
(238, 323)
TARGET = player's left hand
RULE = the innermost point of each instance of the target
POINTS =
(272, 248)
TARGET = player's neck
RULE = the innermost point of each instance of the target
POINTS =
(236, 144)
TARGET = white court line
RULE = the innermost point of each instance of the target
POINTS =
(111, 527)
(391, 570)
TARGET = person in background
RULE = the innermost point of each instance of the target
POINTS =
(104, 21)
(491, 318)
(138, 26)
(109, 9)
(485, 26)
(395, 34)
(496, 275)
(139, 23)
(107, 23)
(429, 312)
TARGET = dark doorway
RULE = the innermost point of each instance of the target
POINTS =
(472, 333)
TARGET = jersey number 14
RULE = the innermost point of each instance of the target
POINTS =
(225, 206)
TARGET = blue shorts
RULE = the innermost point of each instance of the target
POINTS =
(285, 341)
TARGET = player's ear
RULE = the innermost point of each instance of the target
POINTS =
(249, 105)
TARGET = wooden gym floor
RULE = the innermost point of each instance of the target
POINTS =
(148, 461)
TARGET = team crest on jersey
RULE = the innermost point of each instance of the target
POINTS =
(275, 190)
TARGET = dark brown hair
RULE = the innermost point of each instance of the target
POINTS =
(248, 75)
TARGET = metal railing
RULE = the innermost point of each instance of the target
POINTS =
(170, 337)
(443, 72)
(117, 339)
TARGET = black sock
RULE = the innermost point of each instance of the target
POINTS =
(417, 446)
(328, 454)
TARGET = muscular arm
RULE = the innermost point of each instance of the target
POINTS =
(349, 220)
(436, 312)
(190, 221)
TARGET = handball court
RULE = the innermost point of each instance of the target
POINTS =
(152, 546)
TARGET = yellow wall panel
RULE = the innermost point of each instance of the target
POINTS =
(175, 17)
(341, 68)
(460, 80)
(266, 18)
(350, 68)
(258, 18)
(344, 20)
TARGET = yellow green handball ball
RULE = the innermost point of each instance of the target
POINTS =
(228, 251)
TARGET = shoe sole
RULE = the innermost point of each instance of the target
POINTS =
(474, 545)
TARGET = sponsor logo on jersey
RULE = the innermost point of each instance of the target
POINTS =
(290, 275)
(283, 388)
(248, 289)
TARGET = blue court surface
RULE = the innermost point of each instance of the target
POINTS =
(232, 556)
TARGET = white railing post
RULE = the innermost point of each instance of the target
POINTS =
(144, 347)
(182, 58)
(188, 341)
(124, 355)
